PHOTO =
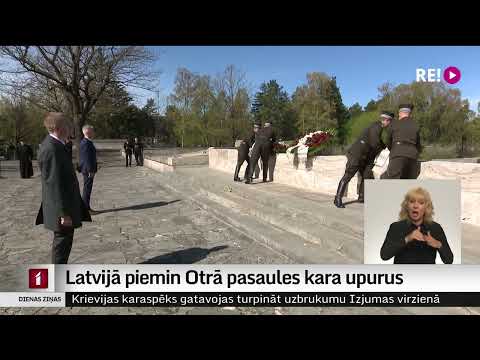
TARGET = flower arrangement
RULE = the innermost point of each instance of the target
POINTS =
(312, 143)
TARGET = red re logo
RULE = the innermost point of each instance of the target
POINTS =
(38, 278)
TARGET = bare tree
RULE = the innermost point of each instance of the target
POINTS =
(232, 83)
(73, 78)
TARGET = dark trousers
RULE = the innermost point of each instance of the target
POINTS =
(139, 159)
(62, 245)
(402, 168)
(87, 189)
(364, 170)
(262, 151)
(240, 161)
(26, 169)
(128, 159)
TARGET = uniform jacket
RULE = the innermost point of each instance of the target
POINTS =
(368, 145)
(403, 139)
(60, 189)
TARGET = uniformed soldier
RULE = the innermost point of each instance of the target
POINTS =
(138, 152)
(361, 157)
(264, 140)
(128, 147)
(403, 141)
(243, 155)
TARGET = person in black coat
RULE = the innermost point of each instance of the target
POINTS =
(88, 164)
(416, 238)
(62, 209)
(25, 156)
(138, 152)
(128, 147)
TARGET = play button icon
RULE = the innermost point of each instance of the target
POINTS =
(452, 75)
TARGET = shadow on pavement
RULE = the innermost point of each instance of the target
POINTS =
(187, 256)
(351, 202)
(139, 207)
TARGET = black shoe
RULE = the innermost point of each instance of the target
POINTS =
(342, 186)
(248, 181)
(264, 180)
(338, 203)
(360, 200)
(236, 179)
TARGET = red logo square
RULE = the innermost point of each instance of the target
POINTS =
(38, 278)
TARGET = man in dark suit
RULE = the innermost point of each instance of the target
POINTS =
(62, 208)
(88, 164)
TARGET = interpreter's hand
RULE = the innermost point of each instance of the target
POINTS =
(415, 235)
(66, 221)
(431, 241)
(91, 175)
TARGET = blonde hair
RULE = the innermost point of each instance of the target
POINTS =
(55, 120)
(416, 193)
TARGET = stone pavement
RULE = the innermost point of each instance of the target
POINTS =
(146, 218)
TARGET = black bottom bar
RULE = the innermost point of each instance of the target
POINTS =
(344, 299)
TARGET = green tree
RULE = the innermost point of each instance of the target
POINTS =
(371, 106)
(337, 111)
(355, 110)
(311, 103)
(271, 102)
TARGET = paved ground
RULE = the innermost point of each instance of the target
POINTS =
(142, 221)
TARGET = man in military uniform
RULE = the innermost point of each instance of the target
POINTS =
(264, 140)
(243, 155)
(138, 152)
(361, 156)
(128, 147)
(403, 141)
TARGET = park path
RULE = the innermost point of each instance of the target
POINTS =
(142, 220)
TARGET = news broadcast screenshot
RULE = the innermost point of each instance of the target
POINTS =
(249, 180)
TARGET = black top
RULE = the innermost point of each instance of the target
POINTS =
(25, 152)
(415, 252)
(265, 135)
(138, 147)
(128, 147)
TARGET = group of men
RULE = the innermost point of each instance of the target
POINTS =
(402, 138)
(261, 142)
(133, 147)
(63, 208)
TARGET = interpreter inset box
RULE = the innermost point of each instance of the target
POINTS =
(412, 222)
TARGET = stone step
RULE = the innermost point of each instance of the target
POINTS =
(316, 209)
(292, 246)
(301, 224)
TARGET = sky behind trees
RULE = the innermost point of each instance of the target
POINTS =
(359, 70)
